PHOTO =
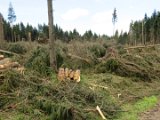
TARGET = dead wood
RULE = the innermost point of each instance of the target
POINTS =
(100, 112)
(147, 46)
(5, 61)
(100, 86)
(8, 52)
(1, 57)
(79, 58)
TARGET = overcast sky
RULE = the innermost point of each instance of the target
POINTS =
(82, 14)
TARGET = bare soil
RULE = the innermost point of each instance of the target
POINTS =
(153, 114)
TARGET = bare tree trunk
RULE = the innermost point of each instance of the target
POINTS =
(1, 29)
(51, 37)
(30, 37)
(15, 37)
(143, 32)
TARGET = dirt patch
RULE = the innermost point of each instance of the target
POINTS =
(153, 114)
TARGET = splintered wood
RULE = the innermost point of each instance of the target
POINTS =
(68, 74)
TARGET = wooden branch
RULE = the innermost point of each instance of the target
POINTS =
(78, 57)
(134, 47)
(100, 112)
(8, 52)
(90, 110)
(147, 46)
(100, 86)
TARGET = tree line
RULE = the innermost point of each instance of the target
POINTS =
(143, 32)
(21, 32)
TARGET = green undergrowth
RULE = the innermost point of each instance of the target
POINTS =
(115, 85)
(33, 96)
(37, 97)
(131, 111)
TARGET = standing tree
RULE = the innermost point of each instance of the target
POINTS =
(11, 17)
(51, 37)
(114, 19)
(1, 28)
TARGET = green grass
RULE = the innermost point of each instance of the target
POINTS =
(132, 110)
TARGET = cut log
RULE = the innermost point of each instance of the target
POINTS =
(66, 73)
(2, 67)
(20, 69)
(76, 76)
(9, 65)
(14, 65)
(5, 61)
(71, 75)
(61, 74)
(1, 57)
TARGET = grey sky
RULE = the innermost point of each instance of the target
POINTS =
(82, 14)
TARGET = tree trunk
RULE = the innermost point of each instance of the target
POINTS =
(1, 29)
(51, 37)
(143, 32)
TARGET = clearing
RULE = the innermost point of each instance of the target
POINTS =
(123, 84)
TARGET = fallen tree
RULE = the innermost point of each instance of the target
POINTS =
(125, 68)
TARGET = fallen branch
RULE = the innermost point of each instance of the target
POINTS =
(13, 106)
(8, 52)
(100, 112)
(78, 57)
(147, 46)
(100, 86)
(90, 110)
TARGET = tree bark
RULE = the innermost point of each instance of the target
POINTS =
(51, 37)
(1, 29)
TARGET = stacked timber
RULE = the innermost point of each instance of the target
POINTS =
(68, 74)
(7, 63)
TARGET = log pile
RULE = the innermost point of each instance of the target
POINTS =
(68, 74)
(7, 63)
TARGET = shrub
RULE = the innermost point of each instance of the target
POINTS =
(59, 57)
(11, 81)
(17, 48)
(112, 65)
(109, 66)
(98, 51)
(39, 61)
(124, 69)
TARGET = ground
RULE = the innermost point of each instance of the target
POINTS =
(153, 114)
(122, 85)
